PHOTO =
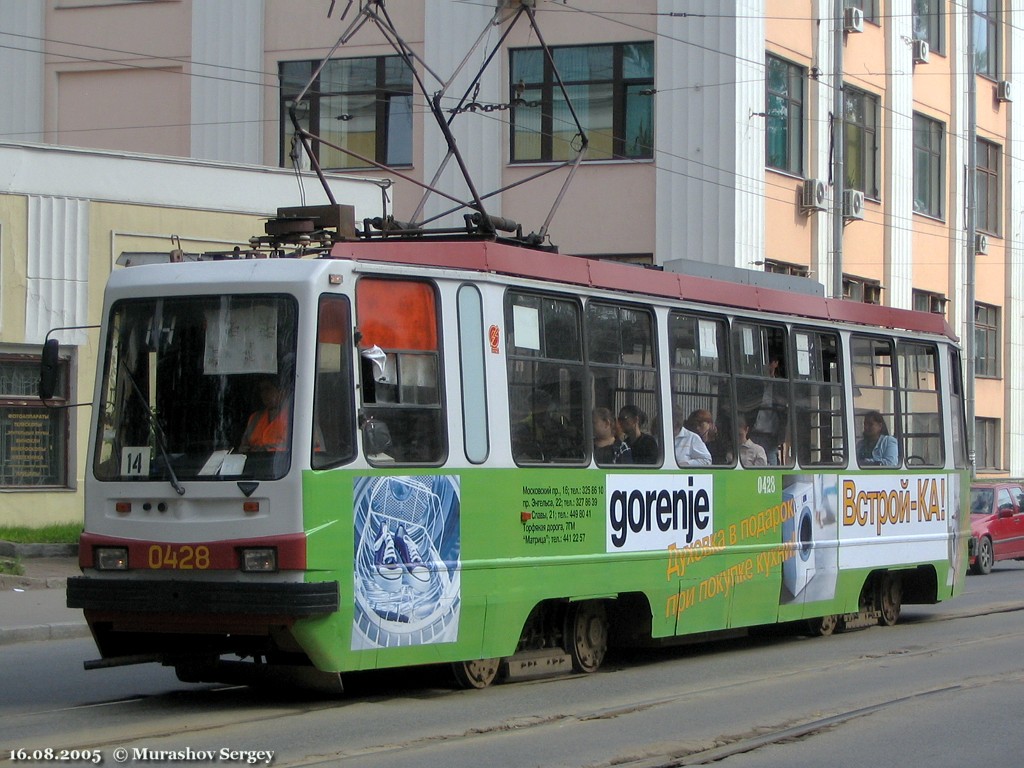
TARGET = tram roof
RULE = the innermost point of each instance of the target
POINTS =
(516, 261)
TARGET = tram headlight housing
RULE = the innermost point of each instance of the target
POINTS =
(259, 560)
(111, 558)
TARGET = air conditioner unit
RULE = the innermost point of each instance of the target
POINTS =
(853, 20)
(813, 195)
(1004, 90)
(981, 244)
(853, 204)
(920, 51)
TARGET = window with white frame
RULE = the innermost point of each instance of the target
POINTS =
(610, 87)
(986, 340)
(784, 106)
(928, 165)
(985, 31)
(987, 182)
(987, 442)
(861, 128)
(363, 105)
(929, 23)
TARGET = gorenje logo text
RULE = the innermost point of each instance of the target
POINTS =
(650, 512)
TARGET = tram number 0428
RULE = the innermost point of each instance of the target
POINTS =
(180, 557)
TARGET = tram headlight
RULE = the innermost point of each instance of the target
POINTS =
(111, 558)
(259, 560)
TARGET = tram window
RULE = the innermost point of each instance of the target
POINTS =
(874, 400)
(545, 379)
(922, 418)
(956, 410)
(620, 350)
(474, 380)
(400, 372)
(763, 387)
(818, 399)
(333, 408)
(700, 375)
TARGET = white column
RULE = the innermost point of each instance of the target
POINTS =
(819, 99)
(21, 62)
(56, 290)
(450, 31)
(898, 107)
(709, 138)
(1013, 312)
(227, 81)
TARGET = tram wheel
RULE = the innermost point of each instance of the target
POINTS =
(890, 600)
(823, 626)
(476, 674)
(586, 635)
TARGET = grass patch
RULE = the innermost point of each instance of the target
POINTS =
(10, 567)
(58, 533)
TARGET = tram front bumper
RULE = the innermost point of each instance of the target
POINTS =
(150, 596)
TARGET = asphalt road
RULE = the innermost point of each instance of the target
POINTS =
(941, 688)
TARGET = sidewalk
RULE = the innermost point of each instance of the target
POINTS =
(33, 606)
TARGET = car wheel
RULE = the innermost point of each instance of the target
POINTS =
(984, 559)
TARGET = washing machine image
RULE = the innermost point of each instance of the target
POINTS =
(799, 567)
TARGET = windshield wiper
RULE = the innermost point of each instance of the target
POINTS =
(158, 432)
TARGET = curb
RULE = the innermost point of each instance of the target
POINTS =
(9, 581)
(10, 549)
(62, 631)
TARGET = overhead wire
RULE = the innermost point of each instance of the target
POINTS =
(566, 7)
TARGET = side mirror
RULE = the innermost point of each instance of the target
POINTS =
(1005, 511)
(49, 369)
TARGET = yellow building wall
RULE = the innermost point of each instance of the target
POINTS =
(113, 228)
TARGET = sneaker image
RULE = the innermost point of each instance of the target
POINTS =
(387, 569)
(417, 575)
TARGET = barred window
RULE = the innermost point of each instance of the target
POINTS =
(33, 437)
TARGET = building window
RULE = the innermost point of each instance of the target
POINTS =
(363, 105)
(986, 340)
(928, 23)
(784, 103)
(928, 165)
(862, 289)
(33, 438)
(610, 87)
(985, 29)
(785, 268)
(926, 301)
(861, 121)
(986, 437)
(987, 181)
(870, 8)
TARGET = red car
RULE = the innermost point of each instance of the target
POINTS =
(997, 524)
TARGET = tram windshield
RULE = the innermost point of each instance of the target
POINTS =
(197, 388)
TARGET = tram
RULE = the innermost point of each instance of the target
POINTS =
(372, 452)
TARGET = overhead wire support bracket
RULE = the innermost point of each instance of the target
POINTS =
(375, 11)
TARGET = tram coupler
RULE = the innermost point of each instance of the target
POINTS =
(122, 661)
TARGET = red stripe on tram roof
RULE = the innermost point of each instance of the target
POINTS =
(488, 256)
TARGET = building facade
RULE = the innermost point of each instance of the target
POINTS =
(712, 128)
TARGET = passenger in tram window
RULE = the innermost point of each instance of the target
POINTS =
(690, 448)
(643, 445)
(769, 421)
(608, 448)
(751, 454)
(543, 434)
(877, 448)
(267, 428)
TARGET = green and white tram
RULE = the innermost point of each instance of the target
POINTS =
(431, 494)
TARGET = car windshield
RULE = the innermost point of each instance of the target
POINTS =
(981, 501)
(197, 388)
